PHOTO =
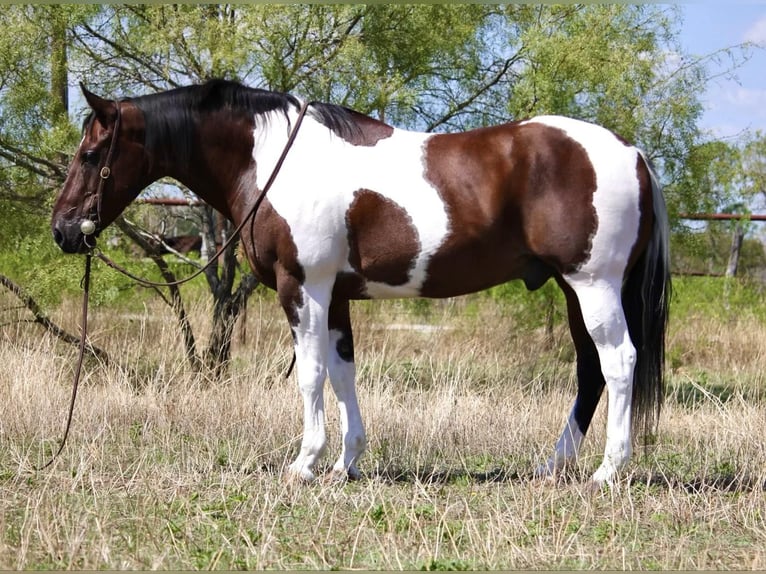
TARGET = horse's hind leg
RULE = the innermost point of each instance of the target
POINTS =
(590, 385)
(342, 373)
(603, 317)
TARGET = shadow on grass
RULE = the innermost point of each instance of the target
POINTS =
(447, 476)
(725, 482)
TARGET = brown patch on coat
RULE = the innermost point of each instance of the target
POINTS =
(228, 141)
(520, 203)
(561, 220)
(370, 131)
(383, 242)
(339, 319)
(273, 257)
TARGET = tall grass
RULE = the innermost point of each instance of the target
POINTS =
(169, 469)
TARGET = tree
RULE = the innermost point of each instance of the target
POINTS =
(754, 169)
(428, 67)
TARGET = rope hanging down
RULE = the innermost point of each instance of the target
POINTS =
(105, 174)
(80, 358)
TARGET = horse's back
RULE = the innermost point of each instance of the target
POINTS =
(446, 214)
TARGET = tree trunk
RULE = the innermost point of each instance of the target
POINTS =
(228, 302)
(59, 72)
(737, 238)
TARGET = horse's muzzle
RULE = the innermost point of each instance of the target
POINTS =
(69, 236)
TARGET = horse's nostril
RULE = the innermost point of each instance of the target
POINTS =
(58, 237)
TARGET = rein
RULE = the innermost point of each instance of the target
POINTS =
(104, 175)
(80, 359)
(235, 234)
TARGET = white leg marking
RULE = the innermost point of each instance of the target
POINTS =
(342, 376)
(602, 312)
(566, 451)
(311, 342)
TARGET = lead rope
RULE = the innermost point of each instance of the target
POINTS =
(235, 234)
(80, 359)
(104, 174)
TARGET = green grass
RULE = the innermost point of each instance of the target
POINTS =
(179, 472)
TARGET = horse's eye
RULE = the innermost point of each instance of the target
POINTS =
(90, 157)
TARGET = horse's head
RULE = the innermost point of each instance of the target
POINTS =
(108, 171)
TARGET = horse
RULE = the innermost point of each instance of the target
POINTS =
(361, 209)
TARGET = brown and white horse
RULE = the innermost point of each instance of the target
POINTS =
(363, 210)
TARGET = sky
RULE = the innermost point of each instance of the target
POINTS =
(732, 104)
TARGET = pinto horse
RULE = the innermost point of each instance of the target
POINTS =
(363, 210)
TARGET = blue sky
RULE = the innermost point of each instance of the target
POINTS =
(734, 103)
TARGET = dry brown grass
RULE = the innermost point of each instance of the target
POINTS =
(167, 469)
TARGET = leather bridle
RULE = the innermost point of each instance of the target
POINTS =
(105, 172)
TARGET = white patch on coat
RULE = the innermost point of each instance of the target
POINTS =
(316, 186)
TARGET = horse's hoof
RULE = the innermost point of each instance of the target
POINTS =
(604, 476)
(546, 472)
(344, 474)
(299, 475)
(594, 487)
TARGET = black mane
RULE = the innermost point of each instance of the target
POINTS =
(171, 116)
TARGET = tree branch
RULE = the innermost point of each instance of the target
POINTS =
(124, 53)
(31, 163)
(176, 301)
(460, 106)
(42, 319)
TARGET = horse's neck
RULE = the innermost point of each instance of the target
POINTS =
(218, 163)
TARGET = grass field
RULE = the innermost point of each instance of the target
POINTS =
(167, 469)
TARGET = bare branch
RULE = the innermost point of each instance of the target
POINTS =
(42, 319)
(478, 92)
(176, 301)
(32, 163)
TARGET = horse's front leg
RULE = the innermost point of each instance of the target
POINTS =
(307, 308)
(342, 373)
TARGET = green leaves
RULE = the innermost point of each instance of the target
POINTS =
(426, 67)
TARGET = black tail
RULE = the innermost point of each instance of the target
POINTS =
(645, 299)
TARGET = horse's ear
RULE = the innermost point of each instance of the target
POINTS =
(105, 110)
